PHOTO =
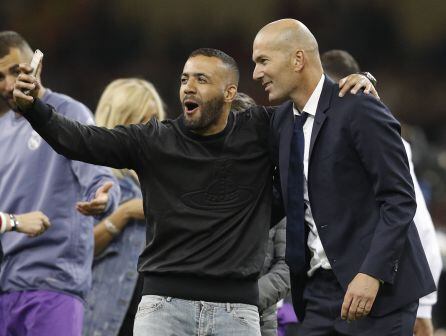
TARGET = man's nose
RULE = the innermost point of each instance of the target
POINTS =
(189, 87)
(257, 74)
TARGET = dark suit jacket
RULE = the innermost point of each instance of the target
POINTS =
(361, 196)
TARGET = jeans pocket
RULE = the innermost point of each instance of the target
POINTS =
(246, 315)
(149, 304)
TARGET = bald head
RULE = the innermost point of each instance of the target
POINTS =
(288, 34)
(287, 60)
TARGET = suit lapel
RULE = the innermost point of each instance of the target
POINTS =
(322, 107)
(286, 131)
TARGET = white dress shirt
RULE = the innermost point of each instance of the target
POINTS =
(318, 258)
(426, 231)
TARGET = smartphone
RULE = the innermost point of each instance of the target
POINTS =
(35, 65)
(36, 61)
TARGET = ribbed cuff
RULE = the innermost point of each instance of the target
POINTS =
(424, 311)
(38, 114)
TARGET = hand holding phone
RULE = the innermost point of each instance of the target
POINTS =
(36, 62)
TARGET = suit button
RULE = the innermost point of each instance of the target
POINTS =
(324, 226)
(395, 267)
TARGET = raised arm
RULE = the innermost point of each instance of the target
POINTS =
(116, 148)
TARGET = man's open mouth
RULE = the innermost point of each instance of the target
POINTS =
(190, 106)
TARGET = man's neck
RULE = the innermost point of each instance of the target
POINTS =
(301, 96)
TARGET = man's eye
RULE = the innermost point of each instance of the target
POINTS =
(263, 61)
(202, 80)
(15, 72)
(183, 80)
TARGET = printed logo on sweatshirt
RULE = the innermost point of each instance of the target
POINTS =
(222, 193)
(34, 141)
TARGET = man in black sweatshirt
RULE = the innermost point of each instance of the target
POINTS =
(207, 188)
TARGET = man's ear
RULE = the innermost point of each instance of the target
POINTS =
(230, 93)
(298, 59)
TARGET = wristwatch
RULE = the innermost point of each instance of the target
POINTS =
(13, 222)
(370, 77)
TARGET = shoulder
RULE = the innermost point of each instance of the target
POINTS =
(153, 129)
(257, 114)
(362, 107)
(69, 107)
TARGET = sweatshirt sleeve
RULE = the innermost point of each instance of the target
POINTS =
(90, 177)
(116, 147)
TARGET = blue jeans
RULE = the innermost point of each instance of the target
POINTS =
(166, 316)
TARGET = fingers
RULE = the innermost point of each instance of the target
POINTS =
(25, 68)
(374, 93)
(46, 222)
(353, 84)
(344, 86)
(355, 307)
(348, 298)
(18, 94)
(360, 310)
(22, 86)
(368, 87)
(95, 207)
(368, 306)
(351, 315)
(359, 85)
(105, 188)
(342, 82)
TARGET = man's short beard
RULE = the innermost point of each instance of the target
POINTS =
(210, 112)
(5, 101)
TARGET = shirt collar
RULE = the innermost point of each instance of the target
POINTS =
(311, 105)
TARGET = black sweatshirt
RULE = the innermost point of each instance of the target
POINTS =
(207, 199)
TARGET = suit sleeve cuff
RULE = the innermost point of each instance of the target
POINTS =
(38, 114)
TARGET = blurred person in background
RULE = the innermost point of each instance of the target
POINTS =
(336, 64)
(121, 237)
(274, 281)
(359, 197)
(206, 179)
(43, 280)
